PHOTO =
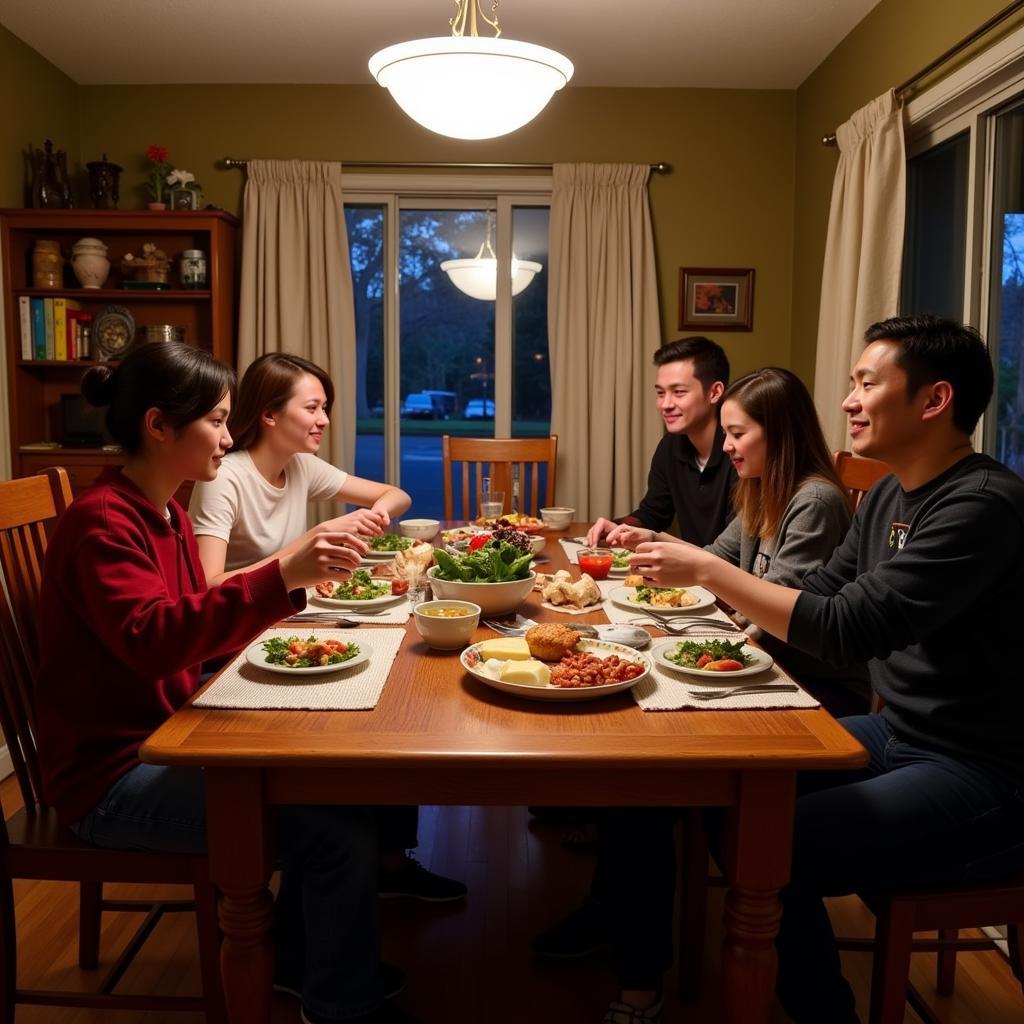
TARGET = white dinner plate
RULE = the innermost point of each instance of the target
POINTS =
(256, 655)
(600, 648)
(625, 597)
(762, 661)
(354, 602)
(379, 556)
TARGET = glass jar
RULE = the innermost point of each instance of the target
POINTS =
(193, 268)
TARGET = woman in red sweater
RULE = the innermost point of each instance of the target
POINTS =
(125, 621)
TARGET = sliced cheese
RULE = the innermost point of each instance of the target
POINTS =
(529, 673)
(506, 648)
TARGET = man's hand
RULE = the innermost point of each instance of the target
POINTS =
(598, 531)
(626, 536)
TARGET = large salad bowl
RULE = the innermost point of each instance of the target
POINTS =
(493, 598)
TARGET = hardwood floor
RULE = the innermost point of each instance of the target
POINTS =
(466, 963)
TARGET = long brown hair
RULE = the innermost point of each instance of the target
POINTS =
(266, 387)
(795, 448)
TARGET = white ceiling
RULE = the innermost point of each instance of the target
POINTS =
(739, 44)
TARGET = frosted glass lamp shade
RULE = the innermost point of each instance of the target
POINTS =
(468, 87)
(478, 277)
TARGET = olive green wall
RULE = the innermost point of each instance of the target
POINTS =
(728, 201)
(37, 102)
(894, 41)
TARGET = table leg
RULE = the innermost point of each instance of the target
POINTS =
(758, 845)
(240, 866)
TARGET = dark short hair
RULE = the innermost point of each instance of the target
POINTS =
(932, 348)
(710, 363)
(183, 382)
(267, 385)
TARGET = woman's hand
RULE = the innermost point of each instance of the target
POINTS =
(321, 556)
(670, 565)
(366, 522)
(626, 536)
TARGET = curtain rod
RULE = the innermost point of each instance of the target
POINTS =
(996, 19)
(229, 162)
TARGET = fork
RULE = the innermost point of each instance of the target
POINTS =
(519, 629)
(678, 627)
(753, 688)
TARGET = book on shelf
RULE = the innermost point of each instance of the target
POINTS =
(76, 318)
(38, 330)
(61, 308)
(25, 317)
(51, 347)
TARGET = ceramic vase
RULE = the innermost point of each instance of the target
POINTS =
(89, 262)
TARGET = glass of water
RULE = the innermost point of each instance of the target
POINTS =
(492, 504)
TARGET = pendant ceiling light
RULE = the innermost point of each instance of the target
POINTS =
(478, 277)
(468, 87)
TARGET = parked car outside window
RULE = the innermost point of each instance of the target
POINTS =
(418, 406)
(479, 409)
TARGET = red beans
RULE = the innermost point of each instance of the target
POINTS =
(578, 670)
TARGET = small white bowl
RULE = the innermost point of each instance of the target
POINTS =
(537, 542)
(557, 518)
(419, 529)
(447, 633)
(493, 598)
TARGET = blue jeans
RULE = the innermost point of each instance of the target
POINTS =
(325, 917)
(912, 817)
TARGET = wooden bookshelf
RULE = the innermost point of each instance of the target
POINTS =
(207, 315)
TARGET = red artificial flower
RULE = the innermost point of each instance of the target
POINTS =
(158, 154)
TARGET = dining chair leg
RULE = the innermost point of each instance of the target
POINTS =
(693, 897)
(890, 973)
(945, 977)
(209, 936)
(1015, 943)
(90, 913)
(8, 952)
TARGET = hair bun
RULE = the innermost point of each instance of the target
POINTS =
(98, 385)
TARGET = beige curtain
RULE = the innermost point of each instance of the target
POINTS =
(297, 284)
(860, 282)
(5, 436)
(603, 326)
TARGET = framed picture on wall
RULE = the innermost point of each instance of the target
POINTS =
(716, 299)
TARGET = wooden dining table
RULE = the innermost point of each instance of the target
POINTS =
(440, 736)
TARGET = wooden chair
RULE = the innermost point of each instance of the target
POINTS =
(32, 843)
(507, 459)
(858, 475)
(945, 910)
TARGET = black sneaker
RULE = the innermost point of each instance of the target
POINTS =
(414, 881)
(581, 933)
(392, 980)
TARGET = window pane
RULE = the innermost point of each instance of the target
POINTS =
(935, 243)
(446, 348)
(531, 375)
(365, 225)
(1005, 423)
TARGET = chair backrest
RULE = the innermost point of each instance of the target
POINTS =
(503, 459)
(27, 507)
(858, 475)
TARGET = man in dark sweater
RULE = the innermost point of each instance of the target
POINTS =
(690, 479)
(935, 552)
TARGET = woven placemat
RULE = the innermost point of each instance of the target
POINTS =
(664, 690)
(242, 685)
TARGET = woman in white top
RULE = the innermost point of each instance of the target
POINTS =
(255, 511)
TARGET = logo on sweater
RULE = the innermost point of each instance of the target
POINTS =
(898, 535)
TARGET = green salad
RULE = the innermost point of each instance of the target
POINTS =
(644, 593)
(390, 542)
(293, 652)
(360, 587)
(700, 654)
(496, 562)
(620, 558)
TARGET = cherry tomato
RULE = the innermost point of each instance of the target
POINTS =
(479, 541)
(399, 586)
(703, 660)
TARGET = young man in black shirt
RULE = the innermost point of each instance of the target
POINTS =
(690, 479)
(934, 553)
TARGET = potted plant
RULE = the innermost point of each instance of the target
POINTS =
(159, 168)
